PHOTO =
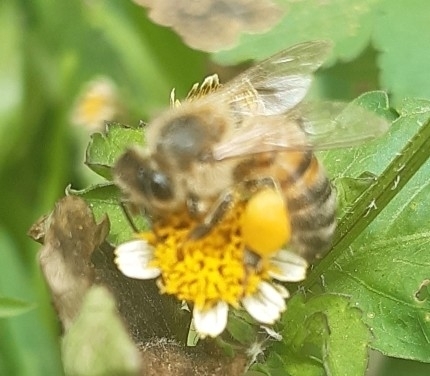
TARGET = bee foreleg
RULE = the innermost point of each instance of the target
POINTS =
(215, 214)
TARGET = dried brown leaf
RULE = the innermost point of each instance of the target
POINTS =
(70, 235)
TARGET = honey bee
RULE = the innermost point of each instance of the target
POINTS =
(257, 128)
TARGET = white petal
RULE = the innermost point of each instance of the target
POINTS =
(271, 295)
(288, 266)
(211, 322)
(266, 304)
(132, 259)
(282, 290)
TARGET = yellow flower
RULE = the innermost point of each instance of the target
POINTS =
(214, 272)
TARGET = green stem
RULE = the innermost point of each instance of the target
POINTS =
(376, 198)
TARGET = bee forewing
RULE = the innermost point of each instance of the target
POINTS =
(319, 126)
(277, 84)
(262, 134)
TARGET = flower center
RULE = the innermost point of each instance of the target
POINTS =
(209, 269)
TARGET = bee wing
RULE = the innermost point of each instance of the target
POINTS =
(330, 125)
(277, 84)
(318, 126)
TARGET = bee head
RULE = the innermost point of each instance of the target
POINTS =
(142, 179)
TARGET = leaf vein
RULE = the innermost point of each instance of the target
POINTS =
(380, 293)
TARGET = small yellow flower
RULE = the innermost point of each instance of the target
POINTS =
(213, 273)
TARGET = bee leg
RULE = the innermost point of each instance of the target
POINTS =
(127, 215)
(215, 215)
(225, 201)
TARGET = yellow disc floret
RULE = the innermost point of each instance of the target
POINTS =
(207, 270)
(265, 222)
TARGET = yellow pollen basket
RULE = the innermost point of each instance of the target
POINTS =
(266, 224)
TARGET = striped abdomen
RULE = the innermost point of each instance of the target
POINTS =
(309, 196)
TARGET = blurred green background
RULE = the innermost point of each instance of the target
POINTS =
(53, 56)
(49, 51)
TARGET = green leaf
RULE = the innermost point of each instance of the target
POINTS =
(13, 307)
(106, 199)
(376, 101)
(348, 23)
(28, 342)
(320, 335)
(105, 148)
(240, 328)
(385, 267)
(402, 35)
(350, 189)
(97, 343)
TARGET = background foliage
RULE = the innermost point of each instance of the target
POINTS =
(51, 49)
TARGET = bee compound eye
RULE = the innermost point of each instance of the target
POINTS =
(155, 184)
(161, 186)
